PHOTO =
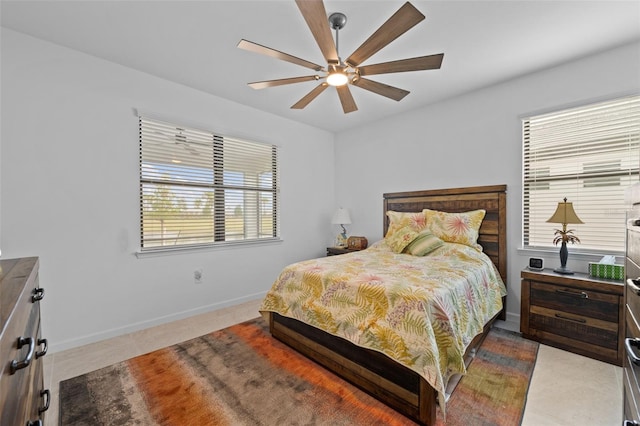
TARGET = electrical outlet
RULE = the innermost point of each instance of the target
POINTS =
(197, 276)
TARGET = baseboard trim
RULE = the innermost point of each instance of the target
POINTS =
(130, 328)
(512, 323)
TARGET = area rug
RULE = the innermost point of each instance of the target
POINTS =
(242, 376)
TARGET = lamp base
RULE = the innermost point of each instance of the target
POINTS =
(563, 270)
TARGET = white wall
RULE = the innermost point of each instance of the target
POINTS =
(472, 140)
(69, 179)
(69, 185)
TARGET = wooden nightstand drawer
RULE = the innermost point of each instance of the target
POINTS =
(577, 313)
(578, 327)
(584, 302)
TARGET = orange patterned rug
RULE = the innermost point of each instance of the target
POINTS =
(242, 376)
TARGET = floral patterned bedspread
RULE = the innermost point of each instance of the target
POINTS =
(420, 311)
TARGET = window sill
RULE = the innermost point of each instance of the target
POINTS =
(170, 251)
(574, 253)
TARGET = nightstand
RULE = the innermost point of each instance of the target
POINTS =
(334, 251)
(577, 313)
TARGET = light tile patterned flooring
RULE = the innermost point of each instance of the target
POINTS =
(566, 389)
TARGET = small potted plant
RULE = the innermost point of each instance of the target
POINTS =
(562, 235)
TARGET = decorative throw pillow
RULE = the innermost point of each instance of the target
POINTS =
(398, 220)
(401, 238)
(461, 228)
(423, 244)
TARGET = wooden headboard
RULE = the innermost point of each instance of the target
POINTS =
(493, 199)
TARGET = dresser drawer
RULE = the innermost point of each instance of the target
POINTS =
(631, 410)
(632, 297)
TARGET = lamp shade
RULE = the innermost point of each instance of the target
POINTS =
(341, 217)
(564, 214)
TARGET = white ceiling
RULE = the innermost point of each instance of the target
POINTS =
(194, 43)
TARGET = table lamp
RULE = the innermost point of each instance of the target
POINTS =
(564, 214)
(341, 217)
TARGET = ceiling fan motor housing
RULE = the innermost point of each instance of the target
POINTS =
(337, 20)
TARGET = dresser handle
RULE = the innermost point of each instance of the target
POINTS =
(47, 399)
(34, 423)
(580, 320)
(17, 365)
(38, 294)
(629, 342)
(633, 286)
(581, 295)
(43, 352)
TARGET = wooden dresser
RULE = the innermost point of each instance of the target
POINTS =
(577, 313)
(631, 372)
(23, 399)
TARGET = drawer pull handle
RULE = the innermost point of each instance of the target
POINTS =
(580, 320)
(43, 352)
(633, 286)
(38, 294)
(34, 423)
(17, 365)
(47, 399)
(628, 344)
(581, 295)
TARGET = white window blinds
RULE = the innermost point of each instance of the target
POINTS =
(199, 188)
(589, 155)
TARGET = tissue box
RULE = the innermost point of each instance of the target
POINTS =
(603, 270)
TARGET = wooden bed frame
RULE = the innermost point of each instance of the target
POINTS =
(396, 385)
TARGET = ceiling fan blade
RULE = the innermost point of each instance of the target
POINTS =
(258, 48)
(346, 99)
(381, 89)
(315, 14)
(282, 81)
(310, 96)
(191, 149)
(421, 63)
(401, 21)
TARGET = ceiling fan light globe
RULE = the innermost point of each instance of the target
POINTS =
(337, 79)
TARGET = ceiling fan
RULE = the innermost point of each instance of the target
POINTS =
(341, 73)
(179, 139)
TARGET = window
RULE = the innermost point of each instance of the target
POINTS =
(591, 156)
(198, 188)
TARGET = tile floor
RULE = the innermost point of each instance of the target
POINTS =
(566, 389)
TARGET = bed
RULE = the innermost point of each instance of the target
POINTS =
(401, 384)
